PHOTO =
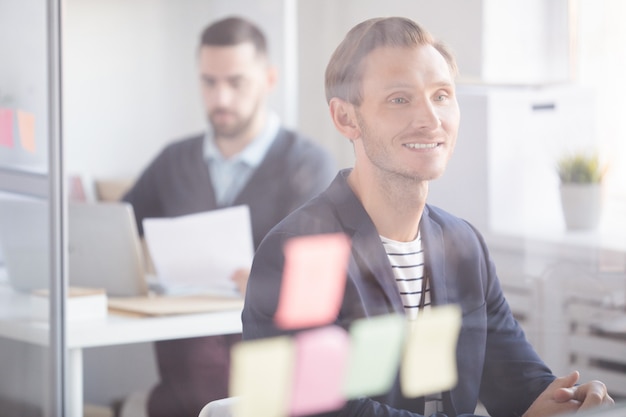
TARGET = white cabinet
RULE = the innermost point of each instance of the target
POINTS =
(502, 175)
(570, 300)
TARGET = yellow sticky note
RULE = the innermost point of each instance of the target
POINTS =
(261, 376)
(429, 363)
(26, 125)
(375, 353)
(314, 279)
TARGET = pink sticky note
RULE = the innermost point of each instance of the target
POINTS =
(6, 127)
(26, 125)
(321, 360)
(313, 280)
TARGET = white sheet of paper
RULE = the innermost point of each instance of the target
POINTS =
(198, 253)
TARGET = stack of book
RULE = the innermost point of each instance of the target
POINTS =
(81, 304)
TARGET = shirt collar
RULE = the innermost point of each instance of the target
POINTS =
(252, 154)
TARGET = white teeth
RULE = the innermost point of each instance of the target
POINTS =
(420, 145)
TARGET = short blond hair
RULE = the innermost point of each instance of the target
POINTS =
(344, 72)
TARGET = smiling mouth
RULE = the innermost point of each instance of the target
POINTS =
(421, 145)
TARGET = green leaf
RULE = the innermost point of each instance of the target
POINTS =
(580, 167)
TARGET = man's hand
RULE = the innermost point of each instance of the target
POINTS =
(240, 277)
(561, 396)
(590, 394)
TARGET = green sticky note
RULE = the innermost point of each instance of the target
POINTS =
(376, 349)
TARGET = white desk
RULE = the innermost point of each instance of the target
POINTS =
(113, 330)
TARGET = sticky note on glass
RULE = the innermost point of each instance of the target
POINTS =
(429, 362)
(375, 353)
(261, 377)
(314, 279)
(26, 126)
(6, 127)
(321, 357)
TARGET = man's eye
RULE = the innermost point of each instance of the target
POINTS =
(399, 100)
(236, 84)
(441, 97)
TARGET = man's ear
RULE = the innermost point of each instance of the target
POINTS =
(344, 118)
(272, 77)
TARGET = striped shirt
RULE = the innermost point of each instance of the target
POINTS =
(407, 262)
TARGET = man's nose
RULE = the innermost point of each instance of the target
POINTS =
(222, 96)
(427, 116)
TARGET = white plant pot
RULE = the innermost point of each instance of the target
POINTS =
(582, 205)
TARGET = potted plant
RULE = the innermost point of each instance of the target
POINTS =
(581, 175)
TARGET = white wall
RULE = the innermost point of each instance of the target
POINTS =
(525, 42)
(600, 61)
(130, 81)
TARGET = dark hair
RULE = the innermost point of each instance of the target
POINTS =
(233, 31)
(344, 72)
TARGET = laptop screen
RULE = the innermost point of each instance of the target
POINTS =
(104, 249)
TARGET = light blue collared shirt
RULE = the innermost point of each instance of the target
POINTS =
(229, 176)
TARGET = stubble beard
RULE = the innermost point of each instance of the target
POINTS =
(381, 158)
(230, 131)
(240, 125)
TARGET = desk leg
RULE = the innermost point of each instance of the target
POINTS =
(74, 400)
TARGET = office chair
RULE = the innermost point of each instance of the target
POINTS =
(218, 408)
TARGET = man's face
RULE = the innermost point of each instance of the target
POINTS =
(235, 83)
(409, 116)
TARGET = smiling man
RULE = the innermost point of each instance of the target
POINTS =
(391, 92)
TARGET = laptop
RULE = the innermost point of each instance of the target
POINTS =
(619, 410)
(104, 249)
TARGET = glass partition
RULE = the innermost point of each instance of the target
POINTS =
(24, 289)
(32, 347)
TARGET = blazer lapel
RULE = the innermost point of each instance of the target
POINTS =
(371, 264)
(374, 268)
(434, 255)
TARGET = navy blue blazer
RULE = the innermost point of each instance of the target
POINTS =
(495, 362)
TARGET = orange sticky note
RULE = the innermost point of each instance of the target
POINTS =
(321, 358)
(26, 125)
(261, 376)
(314, 278)
(6, 127)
